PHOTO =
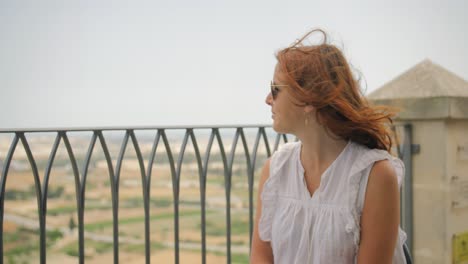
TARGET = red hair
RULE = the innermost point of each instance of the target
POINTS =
(319, 75)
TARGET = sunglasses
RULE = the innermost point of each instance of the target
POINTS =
(275, 90)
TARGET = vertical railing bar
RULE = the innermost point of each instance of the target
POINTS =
(397, 141)
(181, 154)
(197, 152)
(208, 150)
(227, 169)
(227, 186)
(203, 194)
(81, 206)
(233, 150)
(199, 163)
(45, 185)
(50, 162)
(277, 141)
(265, 140)
(201, 173)
(114, 179)
(89, 153)
(152, 156)
(255, 148)
(175, 190)
(177, 194)
(399, 154)
(76, 175)
(278, 138)
(251, 182)
(148, 186)
(144, 183)
(120, 158)
(37, 183)
(408, 185)
(246, 149)
(6, 167)
(115, 194)
(250, 169)
(222, 151)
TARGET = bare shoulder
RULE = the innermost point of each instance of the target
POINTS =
(380, 215)
(383, 175)
(382, 192)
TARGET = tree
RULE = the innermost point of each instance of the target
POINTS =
(71, 223)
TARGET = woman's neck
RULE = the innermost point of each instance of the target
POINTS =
(319, 148)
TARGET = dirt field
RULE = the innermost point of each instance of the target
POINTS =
(61, 211)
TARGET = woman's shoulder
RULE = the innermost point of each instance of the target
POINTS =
(378, 161)
(364, 156)
(288, 147)
(283, 154)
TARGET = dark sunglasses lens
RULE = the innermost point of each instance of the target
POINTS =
(274, 90)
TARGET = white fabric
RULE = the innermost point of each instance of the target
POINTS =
(324, 228)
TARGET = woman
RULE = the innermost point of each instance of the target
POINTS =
(333, 196)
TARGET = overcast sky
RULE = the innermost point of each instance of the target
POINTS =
(155, 63)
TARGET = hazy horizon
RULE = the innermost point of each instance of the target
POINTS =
(153, 63)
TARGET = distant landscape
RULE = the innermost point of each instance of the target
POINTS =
(20, 236)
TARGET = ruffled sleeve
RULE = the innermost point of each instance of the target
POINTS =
(269, 198)
(269, 195)
(368, 157)
(359, 173)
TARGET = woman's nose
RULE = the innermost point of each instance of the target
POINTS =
(269, 99)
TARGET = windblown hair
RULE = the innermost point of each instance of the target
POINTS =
(319, 75)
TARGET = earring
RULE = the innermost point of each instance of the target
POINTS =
(306, 121)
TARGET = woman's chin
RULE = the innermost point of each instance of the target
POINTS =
(277, 128)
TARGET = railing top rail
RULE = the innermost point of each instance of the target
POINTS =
(111, 128)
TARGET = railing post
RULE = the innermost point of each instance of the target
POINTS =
(408, 150)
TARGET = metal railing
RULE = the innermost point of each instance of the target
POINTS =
(202, 161)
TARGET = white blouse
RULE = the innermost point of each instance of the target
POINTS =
(324, 227)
